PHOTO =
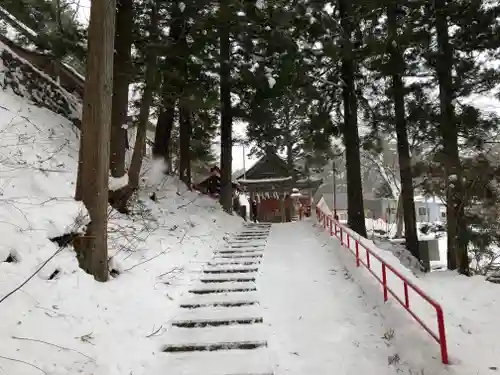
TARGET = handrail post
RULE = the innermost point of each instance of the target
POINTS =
(384, 281)
(348, 241)
(407, 297)
(357, 253)
(331, 225)
(442, 335)
(341, 237)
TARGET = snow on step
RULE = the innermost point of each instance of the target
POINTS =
(220, 313)
(225, 287)
(217, 316)
(247, 240)
(221, 298)
(254, 262)
(227, 277)
(245, 245)
(238, 251)
(245, 256)
(230, 268)
(229, 285)
(231, 362)
(212, 335)
(261, 236)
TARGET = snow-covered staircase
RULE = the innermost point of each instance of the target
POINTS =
(220, 330)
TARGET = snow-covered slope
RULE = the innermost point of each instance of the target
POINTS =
(62, 321)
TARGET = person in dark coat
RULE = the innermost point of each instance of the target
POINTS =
(253, 211)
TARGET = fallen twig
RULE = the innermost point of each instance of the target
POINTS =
(54, 345)
(32, 275)
(20, 361)
(188, 203)
(180, 269)
(147, 260)
(154, 333)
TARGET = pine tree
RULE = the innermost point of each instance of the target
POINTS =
(146, 101)
(355, 212)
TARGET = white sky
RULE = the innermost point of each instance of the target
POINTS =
(239, 129)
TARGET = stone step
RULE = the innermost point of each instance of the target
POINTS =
(218, 316)
(238, 250)
(229, 268)
(214, 335)
(226, 287)
(207, 300)
(229, 262)
(245, 256)
(227, 277)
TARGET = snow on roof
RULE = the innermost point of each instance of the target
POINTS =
(265, 180)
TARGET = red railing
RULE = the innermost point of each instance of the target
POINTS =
(365, 256)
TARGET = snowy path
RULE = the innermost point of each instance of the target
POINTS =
(277, 302)
(220, 329)
(318, 319)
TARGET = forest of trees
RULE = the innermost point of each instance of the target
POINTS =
(300, 73)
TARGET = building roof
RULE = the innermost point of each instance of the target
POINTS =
(269, 157)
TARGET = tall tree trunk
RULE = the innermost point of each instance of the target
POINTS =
(185, 105)
(170, 91)
(164, 126)
(400, 219)
(455, 211)
(398, 93)
(355, 206)
(95, 137)
(226, 155)
(121, 73)
(288, 138)
(147, 99)
(185, 132)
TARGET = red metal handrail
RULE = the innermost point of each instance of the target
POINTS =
(342, 233)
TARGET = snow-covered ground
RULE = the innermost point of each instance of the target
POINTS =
(320, 321)
(321, 313)
(62, 321)
(471, 309)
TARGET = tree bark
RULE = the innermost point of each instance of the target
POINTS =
(164, 126)
(185, 133)
(289, 138)
(121, 74)
(170, 90)
(398, 92)
(226, 157)
(355, 206)
(95, 137)
(455, 210)
(147, 99)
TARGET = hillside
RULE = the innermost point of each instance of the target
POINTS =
(61, 321)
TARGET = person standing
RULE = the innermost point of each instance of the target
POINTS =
(254, 211)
